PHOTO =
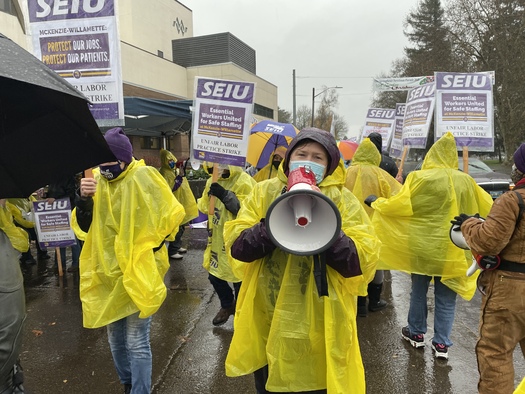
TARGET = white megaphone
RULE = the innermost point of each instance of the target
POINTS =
(478, 262)
(303, 221)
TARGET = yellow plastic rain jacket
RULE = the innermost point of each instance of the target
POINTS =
(414, 224)
(20, 208)
(269, 171)
(216, 261)
(120, 274)
(183, 194)
(18, 237)
(364, 177)
(280, 317)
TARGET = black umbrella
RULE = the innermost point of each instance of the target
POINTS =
(47, 132)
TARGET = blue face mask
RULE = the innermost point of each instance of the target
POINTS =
(111, 172)
(316, 168)
(171, 163)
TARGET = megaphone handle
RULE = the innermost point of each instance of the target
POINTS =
(320, 274)
(472, 268)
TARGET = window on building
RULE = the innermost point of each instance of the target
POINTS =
(7, 6)
(263, 111)
(160, 54)
(150, 143)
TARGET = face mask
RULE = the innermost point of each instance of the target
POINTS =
(276, 164)
(515, 174)
(111, 172)
(316, 168)
(171, 163)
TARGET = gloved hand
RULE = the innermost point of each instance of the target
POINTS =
(370, 199)
(217, 191)
(458, 220)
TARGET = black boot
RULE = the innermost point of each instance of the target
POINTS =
(361, 307)
(127, 388)
(375, 303)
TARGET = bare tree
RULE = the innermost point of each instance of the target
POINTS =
(303, 117)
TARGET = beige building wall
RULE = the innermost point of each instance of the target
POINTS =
(151, 25)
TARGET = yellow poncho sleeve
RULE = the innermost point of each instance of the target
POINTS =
(18, 237)
(216, 260)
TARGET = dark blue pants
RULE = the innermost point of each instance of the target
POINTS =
(226, 295)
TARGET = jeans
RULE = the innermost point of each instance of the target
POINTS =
(445, 306)
(177, 243)
(226, 295)
(130, 345)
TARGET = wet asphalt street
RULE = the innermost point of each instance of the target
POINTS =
(60, 356)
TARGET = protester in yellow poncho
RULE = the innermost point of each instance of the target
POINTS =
(124, 215)
(270, 170)
(414, 228)
(13, 240)
(363, 178)
(182, 192)
(290, 337)
(20, 208)
(230, 190)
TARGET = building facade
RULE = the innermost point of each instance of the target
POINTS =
(160, 59)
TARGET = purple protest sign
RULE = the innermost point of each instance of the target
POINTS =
(52, 10)
(53, 223)
(221, 120)
(418, 115)
(79, 40)
(380, 120)
(396, 147)
(214, 89)
(464, 106)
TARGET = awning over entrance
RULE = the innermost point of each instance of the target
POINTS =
(156, 118)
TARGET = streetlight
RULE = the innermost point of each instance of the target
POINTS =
(315, 95)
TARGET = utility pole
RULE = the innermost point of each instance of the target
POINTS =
(294, 116)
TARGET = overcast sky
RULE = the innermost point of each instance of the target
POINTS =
(328, 42)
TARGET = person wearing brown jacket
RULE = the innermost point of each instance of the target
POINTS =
(502, 324)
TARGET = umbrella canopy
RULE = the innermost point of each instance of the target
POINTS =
(347, 148)
(265, 137)
(47, 132)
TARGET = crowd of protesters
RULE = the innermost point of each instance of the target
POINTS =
(294, 313)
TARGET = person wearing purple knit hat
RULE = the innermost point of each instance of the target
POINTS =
(124, 215)
(502, 326)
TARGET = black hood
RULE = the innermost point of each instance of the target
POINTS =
(377, 140)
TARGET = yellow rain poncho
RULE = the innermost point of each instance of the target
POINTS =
(120, 274)
(414, 224)
(364, 177)
(18, 237)
(280, 317)
(20, 209)
(269, 171)
(183, 194)
(216, 261)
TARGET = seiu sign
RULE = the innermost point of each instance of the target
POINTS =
(379, 113)
(225, 90)
(423, 91)
(47, 10)
(457, 81)
(60, 204)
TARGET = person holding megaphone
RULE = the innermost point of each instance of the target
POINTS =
(310, 251)
(502, 327)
